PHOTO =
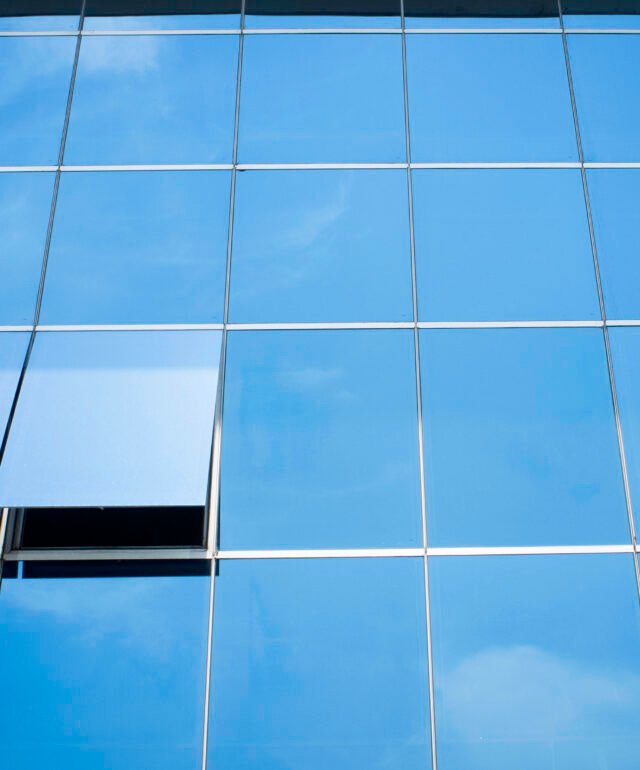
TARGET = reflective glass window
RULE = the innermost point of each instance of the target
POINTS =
(113, 418)
(179, 21)
(512, 89)
(602, 21)
(322, 98)
(138, 247)
(25, 202)
(520, 439)
(321, 246)
(615, 201)
(497, 245)
(326, 14)
(320, 663)
(536, 662)
(163, 99)
(39, 23)
(606, 78)
(13, 347)
(476, 14)
(330, 445)
(103, 672)
(34, 87)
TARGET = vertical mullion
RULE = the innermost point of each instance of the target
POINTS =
(416, 347)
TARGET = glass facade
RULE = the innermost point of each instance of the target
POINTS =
(319, 385)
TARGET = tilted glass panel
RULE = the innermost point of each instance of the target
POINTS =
(322, 98)
(113, 419)
(520, 438)
(154, 99)
(495, 245)
(511, 89)
(138, 247)
(39, 23)
(103, 672)
(320, 663)
(606, 78)
(34, 87)
(323, 423)
(476, 14)
(602, 21)
(13, 347)
(323, 14)
(25, 202)
(536, 662)
(321, 246)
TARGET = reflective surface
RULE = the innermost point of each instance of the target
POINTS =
(325, 21)
(138, 247)
(175, 21)
(602, 21)
(536, 662)
(320, 663)
(33, 97)
(511, 88)
(481, 22)
(321, 246)
(38, 23)
(13, 347)
(113, 418)
(322, 99)
(162, 100)
(103, 672)
(520, 439)
(329, 444)
(606, 78)
(503, 245)
(25, 202)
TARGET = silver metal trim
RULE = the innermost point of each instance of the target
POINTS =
(320, 326)
(157, 32)
(497, 166)
(27, 169)
(106, 554)
(151, 167)
(17, 328)
(483, 31)
(322, 553)
(540, 550)
(509, 324)
(316, 166)
(325, 31)
(126, 327)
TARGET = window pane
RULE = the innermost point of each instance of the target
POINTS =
(154, 99)
(113, 418)
(25, 201)
(606, 77)
(13, 347)
(106, 672)
(602, 21)
(471, 14)
(321, 246)
(139, 247)
(228, 20)
(503, 245)
(33, 93)
(511, 88)
(322, 98)
(39, 23)
(329, 445)
(520, 440)
(325, 14)
(615, 198)
(320, 663)
(536, 662)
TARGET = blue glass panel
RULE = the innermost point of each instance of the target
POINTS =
(322, 98)
(536, 662)
(482, 22)
(512, 89)
(255, 21)
(113, 418)
(615, 199)
(154, 99)
(140, 247)
(25, 202)
(175, 21)
(606, 78)
(602, 21)
(106, 672)
(33, 92)
(39, 23)
(503, 245)
(520, 439)
(321, 246)
(13, 346)
(625, 345)
(318, 664)
(329, 445)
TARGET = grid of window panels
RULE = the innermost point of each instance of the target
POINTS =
(364, 289)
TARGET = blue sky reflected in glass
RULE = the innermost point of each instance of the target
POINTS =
(106, 672)
(153, 21)
(520, 439)
(321, 246)
(272, 21)
(113, 418)
(322, 98)
(606, 79)
(536, 662)
(25, 202)
(323, 423)
(151, 248)
(511, 89)
(320, 664)
(602, 21)
(481, 22)
(496, 245)
(39, 23)
(163, 99)
(13, 347)
(34, 87)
